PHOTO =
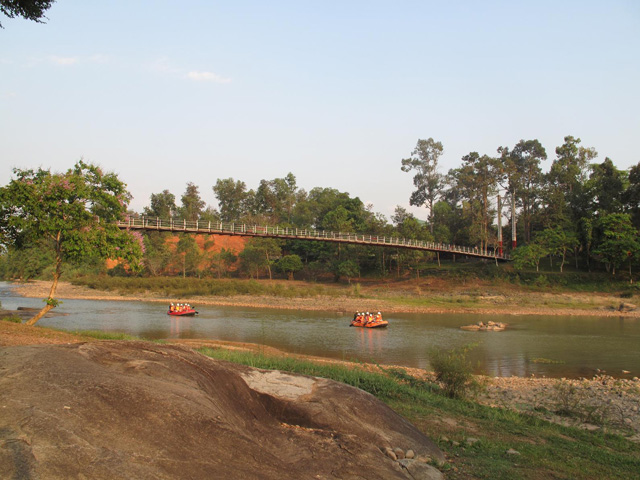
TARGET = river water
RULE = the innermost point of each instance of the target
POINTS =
(577, 346)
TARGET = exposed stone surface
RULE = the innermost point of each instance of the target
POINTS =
(115, 410)
(421, 471)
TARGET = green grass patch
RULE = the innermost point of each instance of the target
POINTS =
(11, 319)
(546, 450)
(190, 287)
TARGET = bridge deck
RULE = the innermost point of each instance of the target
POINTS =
(219, 228)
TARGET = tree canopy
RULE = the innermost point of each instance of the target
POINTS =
(72, 213)
(27, 9)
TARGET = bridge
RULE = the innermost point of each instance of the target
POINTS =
(219, 228)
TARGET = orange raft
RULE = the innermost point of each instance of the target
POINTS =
(368, 320)
(181, 310)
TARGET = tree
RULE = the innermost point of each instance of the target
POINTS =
(520, 168)
(348, 269)
(290, 264)
(566, 180)
(427, 180)
(476, 181)
(632, 195)
(27, 9)
(157, 254)
(606, 188)
(269, 247)
(529, 256)
(188, 254)
(222, 260)
(73, 212)
(619, 240)
(252, 260)
(192, 204)
(162, 205)
(557, 241)
(232, 199)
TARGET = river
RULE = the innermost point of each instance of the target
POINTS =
(552, 346)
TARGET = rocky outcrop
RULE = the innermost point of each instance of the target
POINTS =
(490, 326)
(111, 410)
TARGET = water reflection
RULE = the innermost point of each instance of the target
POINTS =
(551, 346)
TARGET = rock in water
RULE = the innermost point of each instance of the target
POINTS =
(121, 410)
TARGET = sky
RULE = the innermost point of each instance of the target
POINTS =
(336, 92)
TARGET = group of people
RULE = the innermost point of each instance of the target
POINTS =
(366, 317)
(179, 307)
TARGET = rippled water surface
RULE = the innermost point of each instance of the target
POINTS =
(577, 345)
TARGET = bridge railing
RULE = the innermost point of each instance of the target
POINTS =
(151, 223)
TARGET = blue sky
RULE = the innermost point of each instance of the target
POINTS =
(336, 92)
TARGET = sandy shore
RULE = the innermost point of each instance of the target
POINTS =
(602, 305)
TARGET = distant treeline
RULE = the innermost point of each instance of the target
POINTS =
(581, 212)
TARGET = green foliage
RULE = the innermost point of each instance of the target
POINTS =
(163, 205)
(619, 242)
(348, 268)
(528, 256)
(53, 302)
(74, 213)
(192, 204)
(190, 286)
(27, 262)
(222, 261)
(290, 264)
(545, 447)
(11, 319)
(454, 371)
(28, 9)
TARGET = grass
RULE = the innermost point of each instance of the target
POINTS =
(100, 335)
(546, 450)
(188, 287)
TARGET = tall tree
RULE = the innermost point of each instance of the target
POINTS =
(476, 182)
(632, 195)
(73, 212)
(520, 169)
(162, 205)
(565, 182)
(192, 204)
(188, 255)
(232, 199)
(427, 180)
(606, 187)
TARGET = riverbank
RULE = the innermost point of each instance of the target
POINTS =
(427, 296)
(598, 404)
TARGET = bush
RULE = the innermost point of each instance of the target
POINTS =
(454, 371)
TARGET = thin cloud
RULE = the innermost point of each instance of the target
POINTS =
(207, 77)
(63, 61)
(162, 65)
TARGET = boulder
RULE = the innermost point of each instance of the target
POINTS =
(116, 410)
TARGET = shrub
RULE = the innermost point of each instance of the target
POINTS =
(12, 319)
(454, 371)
